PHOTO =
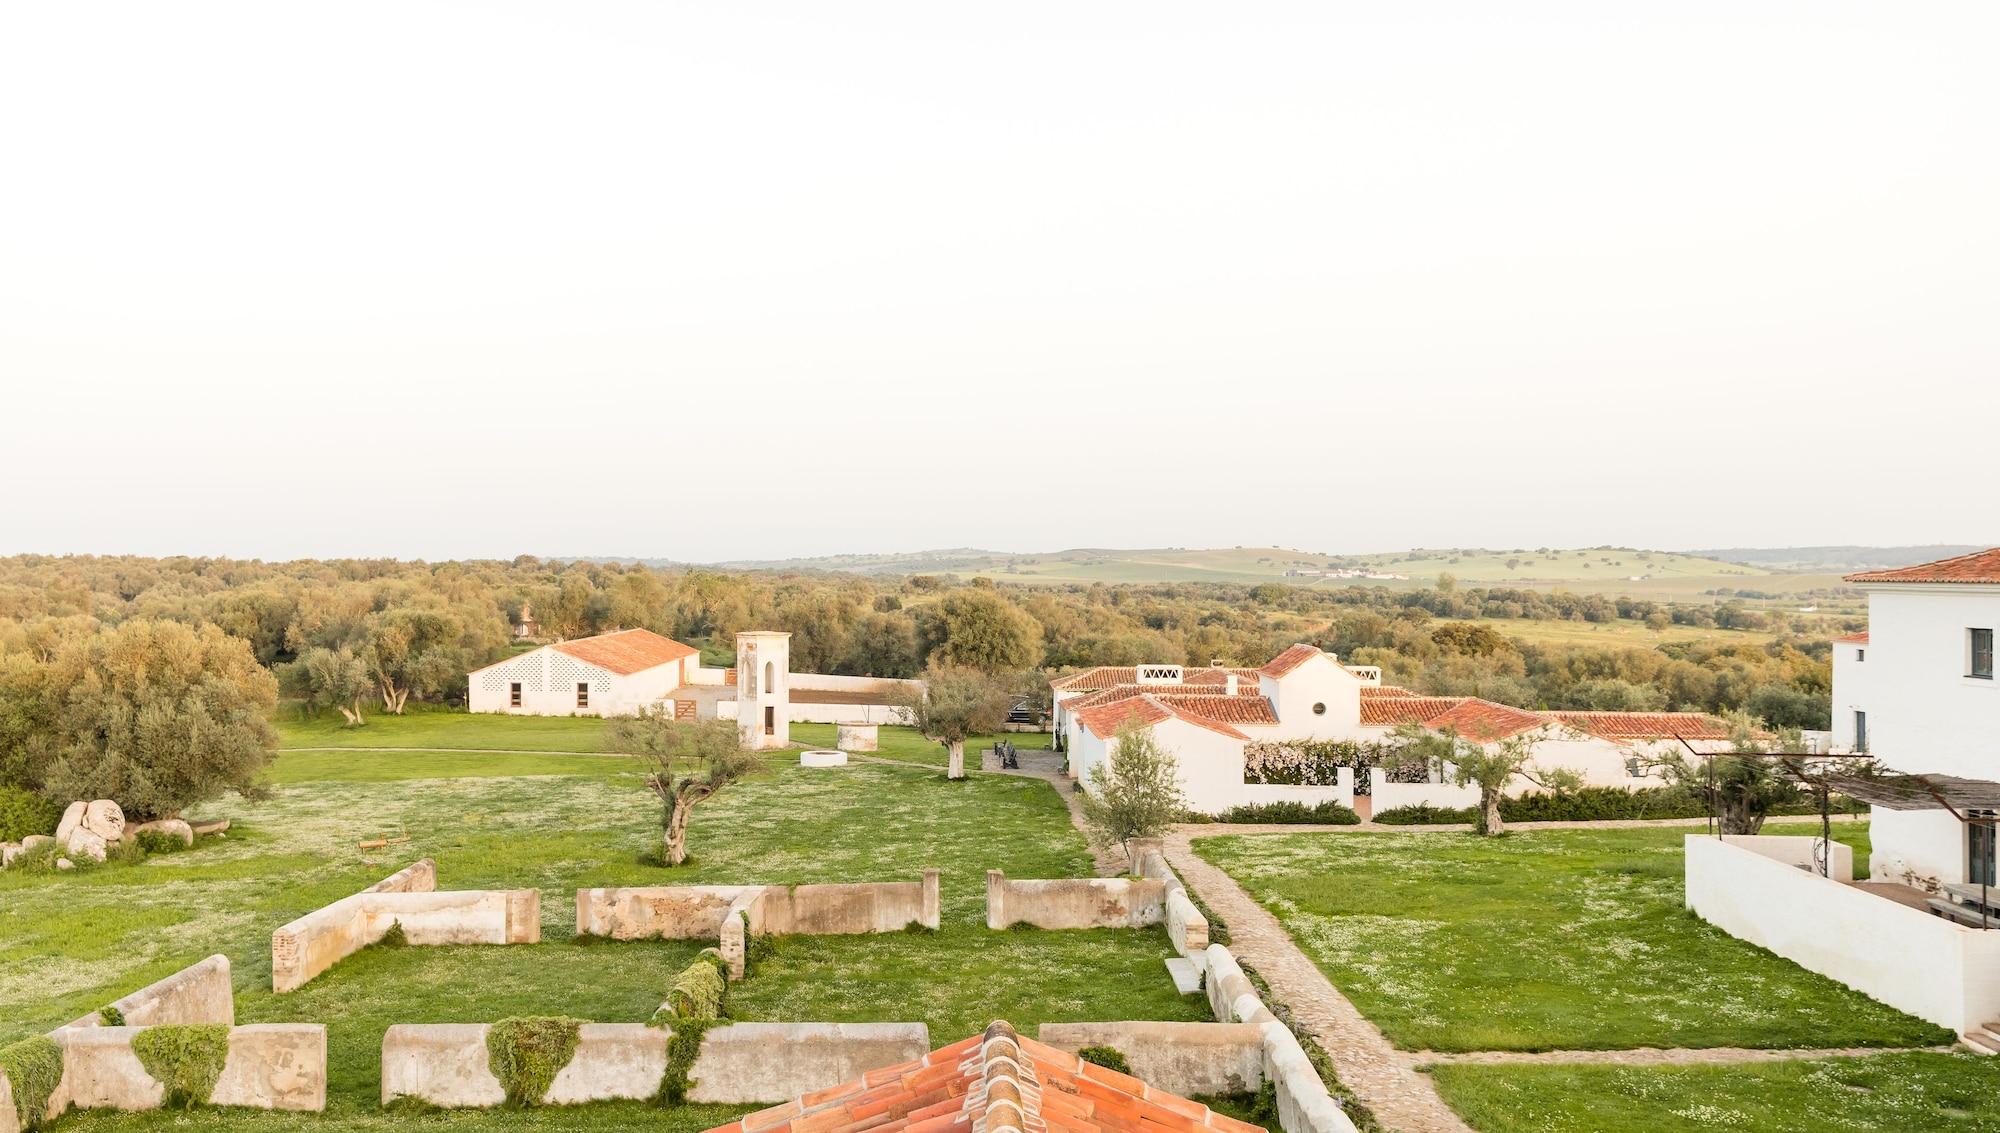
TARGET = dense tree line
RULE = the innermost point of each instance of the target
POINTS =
(372, 635)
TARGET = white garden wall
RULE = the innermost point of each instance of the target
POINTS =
(1913, 961)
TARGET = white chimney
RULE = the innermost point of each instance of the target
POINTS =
(1229, 684)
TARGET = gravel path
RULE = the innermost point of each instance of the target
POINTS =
(1385, 1081)
(1650, 1056)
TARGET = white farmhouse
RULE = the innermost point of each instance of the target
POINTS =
(1214, 719)
(611, 674)
(628, 671)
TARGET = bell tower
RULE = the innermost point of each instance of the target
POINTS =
(763, 689)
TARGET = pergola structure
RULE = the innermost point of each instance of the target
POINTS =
(1858, 776)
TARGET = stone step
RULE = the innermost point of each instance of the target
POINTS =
(1187, 980)
(1985, 1040)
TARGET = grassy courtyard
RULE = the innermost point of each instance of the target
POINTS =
(71, 942)
(1554, 939)
(1886, 1093)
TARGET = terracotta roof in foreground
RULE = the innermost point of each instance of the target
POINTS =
(1373, 691)
(1147, 709)
(1977, 567)
(1853, 638)
(998, 1082)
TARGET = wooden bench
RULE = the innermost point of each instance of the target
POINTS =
(1970, 918)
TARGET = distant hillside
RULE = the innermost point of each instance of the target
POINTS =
(1607, 570)
(1838, 560)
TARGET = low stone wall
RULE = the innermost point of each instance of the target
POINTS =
(841, 910)
(728, 914)
(269, 1066)
(1074, 902)
(1180, 1058)
(322, 938)
(445, 1064)
(1185, 925)
(857, 737)
(1304, 1105)
(200, 993)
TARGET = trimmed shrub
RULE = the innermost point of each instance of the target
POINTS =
(1105, 1056)
(111, 1016)
(1328, 813)
(186, 1059)
(159, 842)
(34, 1069)
(699, 990)
(1595, 804)
(1424, 814)
(527, 1052)
(23, 812)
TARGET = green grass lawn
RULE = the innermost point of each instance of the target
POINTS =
(907, 746)
(1884, 1093)
(1550, 939)
(423, 726)
(72, 942)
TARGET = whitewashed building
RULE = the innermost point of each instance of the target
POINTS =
(625, 672)
(1214, 718)
(1916, 692)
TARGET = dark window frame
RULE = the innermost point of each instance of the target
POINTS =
(513, 694)
(1978, 658)
(583, 694)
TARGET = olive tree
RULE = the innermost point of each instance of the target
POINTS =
(323, 678)
(956, 703)
(1739, 786)
(157, 716)
(1489, 766)
(1136, 793)
(691, 761)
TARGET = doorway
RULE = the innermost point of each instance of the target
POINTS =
(1979, 845)
(770, 721)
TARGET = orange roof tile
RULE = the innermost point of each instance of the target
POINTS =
(627, 651)
(1370, 691)
(1484, 722)
(1389, 711)
(1106, 676)
(1853, 638)
(1647, 725)
(1104, 720)
(1977, 567)
(1223, 709)
(1288, 660)
(1147, 709)
(998, 1082)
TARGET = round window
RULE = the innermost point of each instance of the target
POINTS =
(1319, 708)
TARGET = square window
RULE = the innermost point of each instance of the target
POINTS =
(1979, 644)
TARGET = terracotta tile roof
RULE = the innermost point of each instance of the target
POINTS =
(1484, 722)
(1121, 692)
(998, 1082)
(1373, 691)
(1389, 711)
(1853, 638)
(1104, 720)
(1647, 725)
(1223, 709)
(1106, 676)
(627, 651)
(1977, 567)
(1288, 660)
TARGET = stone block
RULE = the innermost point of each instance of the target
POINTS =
(444, 1064)
(762, 1062)
(198, 993)
(1074, 902)
(666, 912)
(612, 1061)
(1180, 1058)
(275, 1066)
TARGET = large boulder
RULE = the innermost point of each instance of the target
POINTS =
(71, 819)
(33, 840)
(85, 844)
(8, 852)
(105, 819)
(172, 827)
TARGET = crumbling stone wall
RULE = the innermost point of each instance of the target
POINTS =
(199, 993)
(1074, 902)
(322, 938)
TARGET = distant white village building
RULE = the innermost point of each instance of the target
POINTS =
(1216, 720)
(1917, 692)
(628, 671)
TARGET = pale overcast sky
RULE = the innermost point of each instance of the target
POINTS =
(734, 280)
